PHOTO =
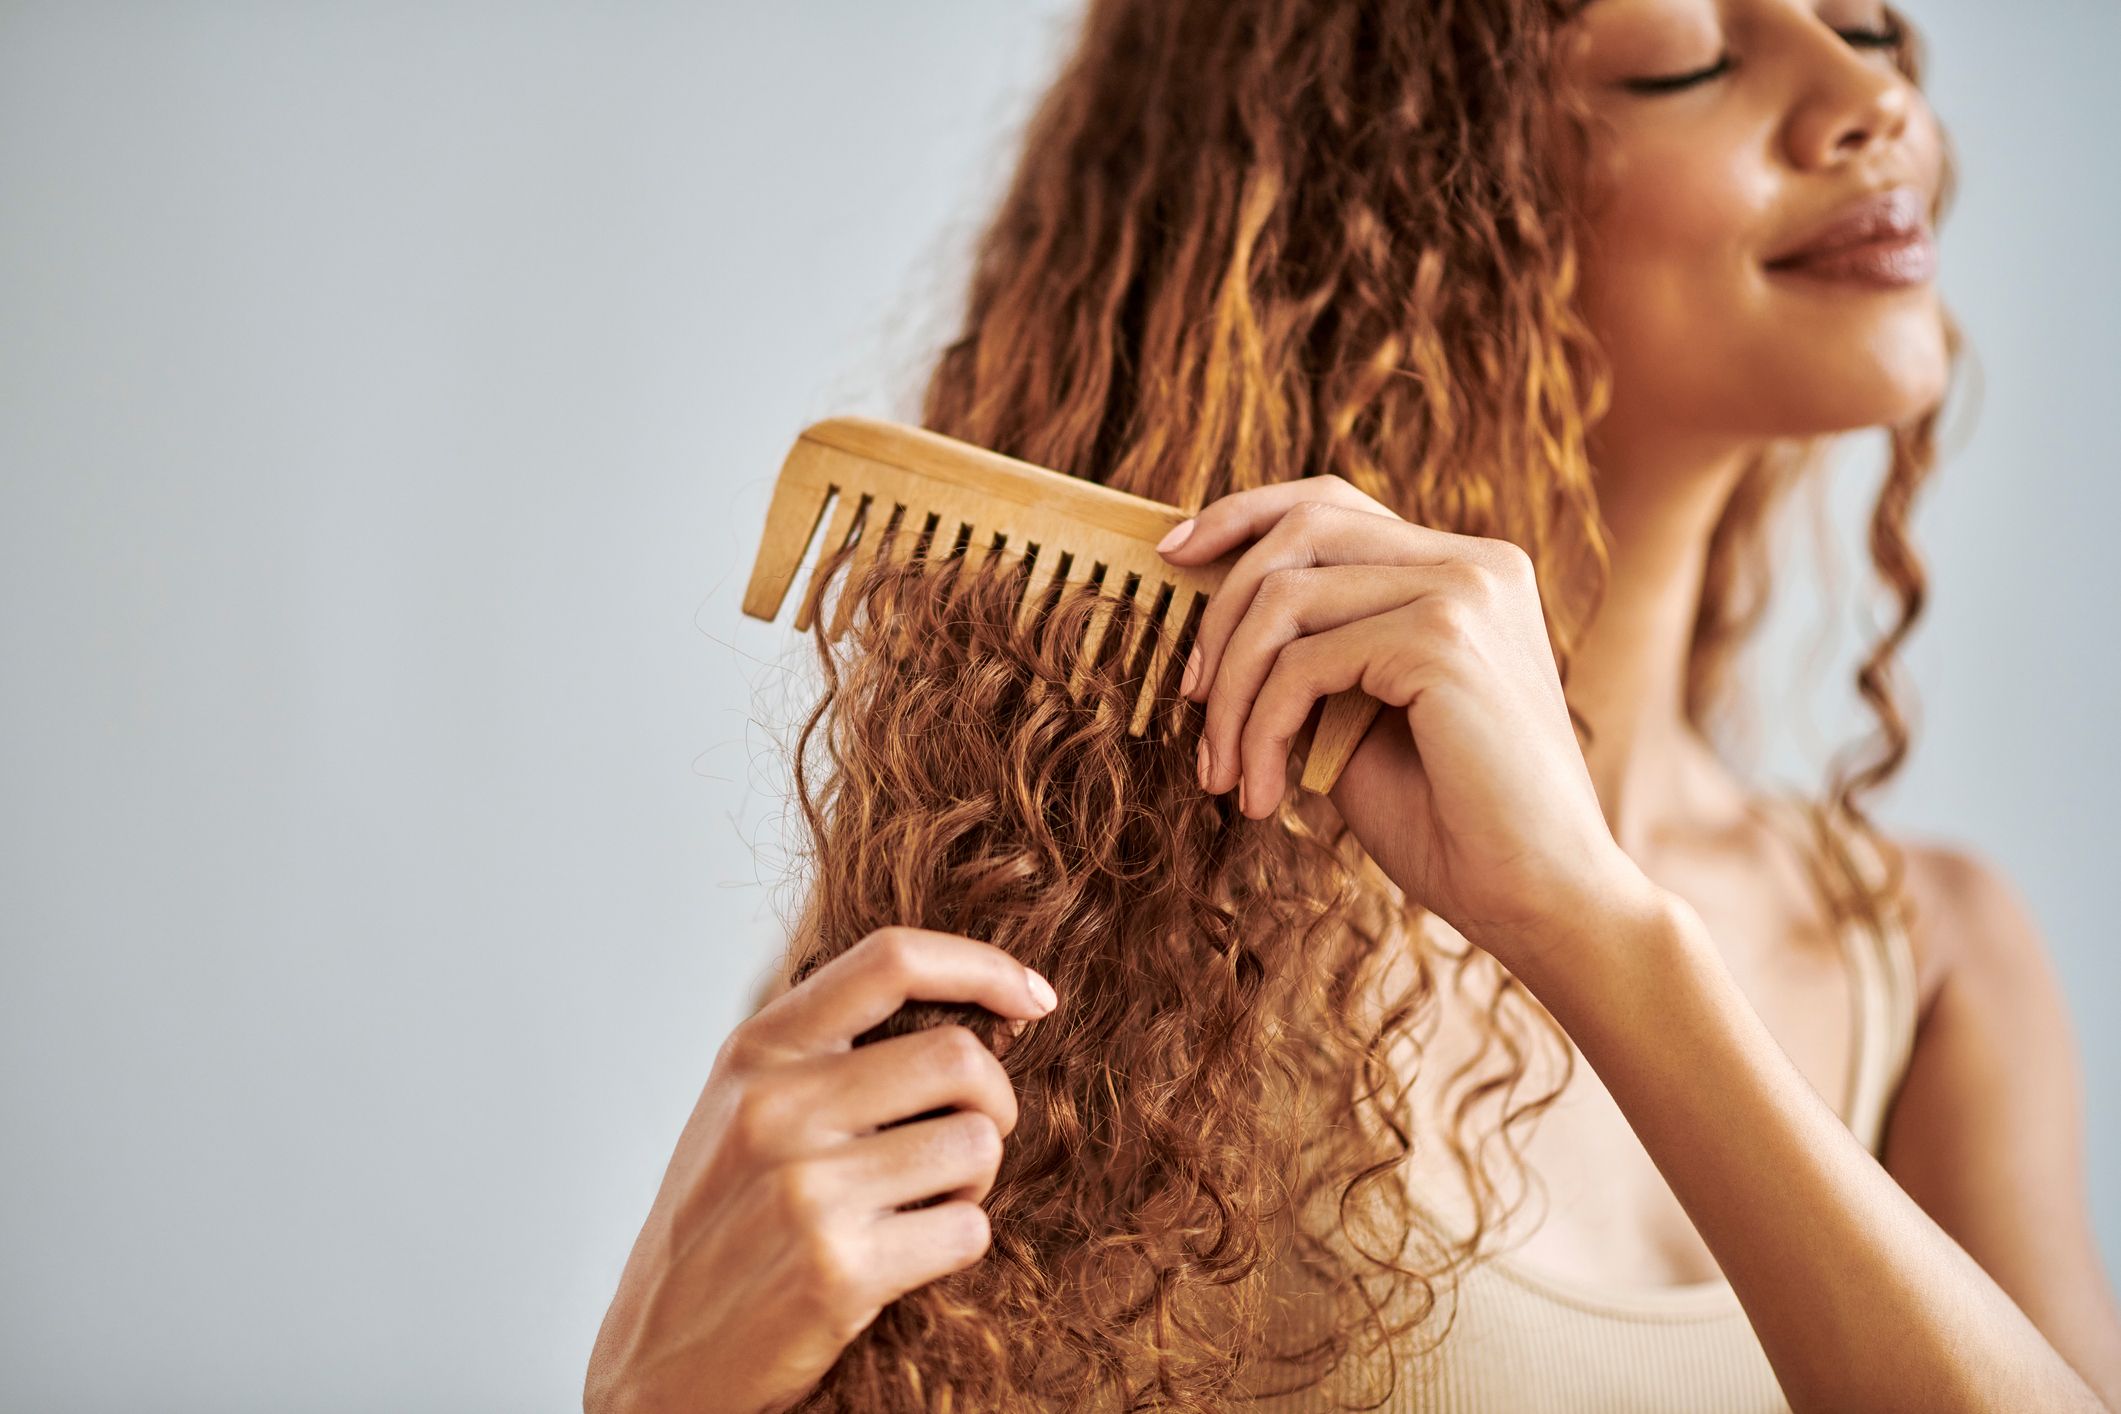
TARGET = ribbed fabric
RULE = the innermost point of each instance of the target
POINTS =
(1528, 1340)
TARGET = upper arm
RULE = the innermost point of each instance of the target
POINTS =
(1987, 1131)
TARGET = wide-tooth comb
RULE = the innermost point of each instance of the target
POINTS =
(880, 476)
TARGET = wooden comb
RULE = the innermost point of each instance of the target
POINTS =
(899, 487)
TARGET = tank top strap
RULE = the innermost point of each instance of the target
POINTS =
(1881, 964)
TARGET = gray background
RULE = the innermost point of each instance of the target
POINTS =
(388, 399)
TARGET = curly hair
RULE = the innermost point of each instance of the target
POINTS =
(1246, 241)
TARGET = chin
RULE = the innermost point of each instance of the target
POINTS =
(1880, 394)
(1879, 376)
(1890, 365)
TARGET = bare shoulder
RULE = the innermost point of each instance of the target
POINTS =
(1986, 1130)
(1967, 913)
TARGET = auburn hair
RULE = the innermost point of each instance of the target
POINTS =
(1245, 241)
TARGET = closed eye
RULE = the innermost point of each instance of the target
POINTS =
(1672, 83)
(1873, 38)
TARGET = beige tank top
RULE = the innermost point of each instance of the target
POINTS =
(1524, 1339)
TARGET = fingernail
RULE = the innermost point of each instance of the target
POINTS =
(1242, 807)
(1041, 991)
(1200, 768)
(1192, 672)
(1175, 538)
(1016, 1027)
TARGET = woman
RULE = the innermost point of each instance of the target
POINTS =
(1489, 336)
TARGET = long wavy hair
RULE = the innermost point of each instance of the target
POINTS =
(1246, 241)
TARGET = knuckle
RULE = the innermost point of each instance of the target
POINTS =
(887, 941)
(893, 951)
(1309, 514)
(802, 1195)
(959, 1053)
(1452, 622)
(1301, 662)
(820, 1257)
(1349, 496)
(1506, 566)
(1476, 574)
(1279, 587)
(848, 1310)
(1395, 674)
(970, 1232)
(1513, 557)
(739, 1049)
(977, 1138)
(832, 1275)
(758, 1115)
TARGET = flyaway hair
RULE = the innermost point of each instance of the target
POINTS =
(1246, 241)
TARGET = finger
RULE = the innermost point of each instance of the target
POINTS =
(1289, 605)
(1229, 521)
(1310, 534)
(937, 1067)
(912, 1249)
(955, 1155)
(1359, 653)
(886, 969)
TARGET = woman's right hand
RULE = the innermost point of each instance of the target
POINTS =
(775, 1238)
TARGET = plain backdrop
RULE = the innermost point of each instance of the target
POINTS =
(392, 800)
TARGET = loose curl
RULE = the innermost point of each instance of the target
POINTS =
(1246, 241)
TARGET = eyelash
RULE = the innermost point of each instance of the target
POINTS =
(1861, 38)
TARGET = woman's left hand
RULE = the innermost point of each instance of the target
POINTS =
(1473, 795)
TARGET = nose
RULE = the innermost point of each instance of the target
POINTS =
(1848, 101)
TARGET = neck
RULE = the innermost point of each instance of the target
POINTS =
(1654, 772)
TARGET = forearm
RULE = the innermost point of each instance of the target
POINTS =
(1859, 1298)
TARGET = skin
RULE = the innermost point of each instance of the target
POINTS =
(776, 1236)
(1627, 887)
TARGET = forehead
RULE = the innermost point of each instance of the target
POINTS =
(1639, 17)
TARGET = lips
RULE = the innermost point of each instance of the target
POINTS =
(1891, 264)
(1892, 217)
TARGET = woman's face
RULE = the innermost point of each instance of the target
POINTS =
(1697, 187)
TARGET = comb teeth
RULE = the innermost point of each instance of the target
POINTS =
(886, 511)
(1047, 566)
(906, 492)
(1170, 619)
(846, 510)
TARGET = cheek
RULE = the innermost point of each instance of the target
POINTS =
(1837, 359)
(1671, 278)
(1697, 331)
